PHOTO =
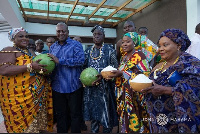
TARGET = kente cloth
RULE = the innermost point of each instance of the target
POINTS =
(99, 101)
(147, 47)
(142, 43)
(179, 112)
(22, 96)
(131, 107)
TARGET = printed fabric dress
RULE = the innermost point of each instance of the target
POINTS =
(26, 101)
(179, 112)
(131, 107)
(147, 47)
(99, 101)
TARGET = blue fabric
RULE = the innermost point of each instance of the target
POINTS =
(178, 37)
(99, 101)
(65, 77)
(183, 106)
(45, 52)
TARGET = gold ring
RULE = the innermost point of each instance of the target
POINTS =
(41, 71)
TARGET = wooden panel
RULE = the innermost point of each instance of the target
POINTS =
(21, 7)
(138, 10)
(63, 19)
(72, 10)
(123, 5)
(67, 13)
(89, 4)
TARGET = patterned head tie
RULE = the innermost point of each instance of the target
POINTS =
(14, 31)
(178, 37)
(133, 36)
(100, 28)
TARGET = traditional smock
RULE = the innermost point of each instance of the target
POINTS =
(25, 97)
(99, 101)
(130, 105)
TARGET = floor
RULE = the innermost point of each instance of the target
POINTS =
(3, 129)
(115, 129)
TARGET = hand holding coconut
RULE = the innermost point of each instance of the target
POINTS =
(54, 58)
(37, 66)
(96, 82)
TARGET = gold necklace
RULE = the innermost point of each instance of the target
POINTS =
(161, 68)
(101, 52)
(10, 51)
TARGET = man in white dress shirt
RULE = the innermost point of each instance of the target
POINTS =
(194, 48)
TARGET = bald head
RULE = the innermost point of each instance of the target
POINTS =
(197, 30)
(129, 26)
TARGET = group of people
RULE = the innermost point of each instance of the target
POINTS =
(36, 47)
(171, 104)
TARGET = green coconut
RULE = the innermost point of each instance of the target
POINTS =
(88, 76)
(46, 60)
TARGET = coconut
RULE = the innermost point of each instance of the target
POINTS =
(140, 82)
(46, 60)
(107, 71)
(88, 76)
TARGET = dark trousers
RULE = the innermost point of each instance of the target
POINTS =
(62, 103)
(95, 127)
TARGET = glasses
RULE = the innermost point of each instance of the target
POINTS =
(61, 31)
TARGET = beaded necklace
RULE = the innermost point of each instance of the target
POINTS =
(25, 51)
(161, 68)
(101, 52)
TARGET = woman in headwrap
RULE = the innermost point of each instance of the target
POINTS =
(25, 97)
(174, 99)
(130, 104)
(99, 99)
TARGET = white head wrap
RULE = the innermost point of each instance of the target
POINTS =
(14, 31)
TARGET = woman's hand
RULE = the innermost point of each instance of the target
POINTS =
(54, 58)
(157, 90)
(37, 66)
(96, 82)
(115, 73)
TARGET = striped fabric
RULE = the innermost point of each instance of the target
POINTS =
(130, 104)
(65, 77)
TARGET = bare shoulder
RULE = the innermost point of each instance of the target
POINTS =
(8, 49)
(7, 56)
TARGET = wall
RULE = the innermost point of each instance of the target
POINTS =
(159, 16)
(4, 41)
(193, 16)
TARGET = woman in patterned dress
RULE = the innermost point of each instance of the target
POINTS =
(25, 97)
(99, 99)
(130, 104)
(174, 99)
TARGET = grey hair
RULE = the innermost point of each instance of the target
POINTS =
(39, 40)
(62, 23)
